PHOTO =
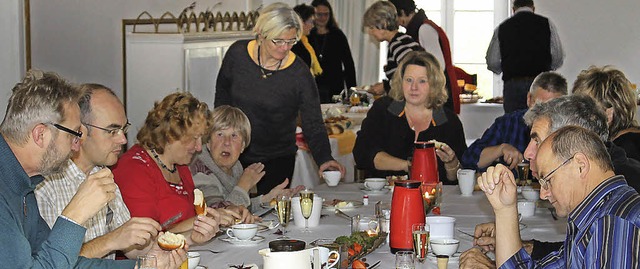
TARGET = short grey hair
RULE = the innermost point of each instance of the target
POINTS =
(550, 81)
(276, 18)
(381, 15)
(579, 110)
(39, 98)
(225, 117)
(569, 140)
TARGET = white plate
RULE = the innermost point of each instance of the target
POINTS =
(374, 192)
(354, 204)
(455, 258)
(252, 242)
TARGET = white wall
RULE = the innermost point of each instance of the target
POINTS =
(12, 64)
(596, 32)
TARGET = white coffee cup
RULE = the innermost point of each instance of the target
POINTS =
(314, 219)
(325, 253)
(441, 226)
(243, 231)
(375, 184)
(331, 177)
(526, 208)
(466, 181)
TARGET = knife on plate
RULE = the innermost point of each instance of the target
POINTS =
(374, 265)
(170, 221)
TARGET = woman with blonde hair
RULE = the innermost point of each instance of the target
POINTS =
(272, 86)
(611, 88)
(412, 112)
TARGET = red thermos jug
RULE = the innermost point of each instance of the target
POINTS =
(424, 166)
(406, 209)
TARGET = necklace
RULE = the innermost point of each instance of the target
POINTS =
(155, 156)
(321, 47)
(263, 68)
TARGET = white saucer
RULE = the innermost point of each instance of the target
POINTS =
(455, 258)
(252, 242)
(374, 192)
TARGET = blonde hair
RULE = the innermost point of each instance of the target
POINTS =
(276, 18)
(437, 92)
(611, 88)
(225, 117)
(381, 15)
(177, 116)
(39, 98)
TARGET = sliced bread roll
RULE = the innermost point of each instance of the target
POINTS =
(437, 144)
(199, 202)
(170, 241)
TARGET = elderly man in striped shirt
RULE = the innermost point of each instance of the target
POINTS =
(577, 177)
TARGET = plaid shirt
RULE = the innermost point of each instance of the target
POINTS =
(603, 231)
(56, 191)
(508, 128)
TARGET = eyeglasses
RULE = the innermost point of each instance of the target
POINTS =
(77, 134)
(112, 131)
(322, 14)
(545, 181)
(282, 42)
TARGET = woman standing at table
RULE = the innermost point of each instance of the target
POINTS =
(153, 175)
(272, 86)
(333, 51)
(303, 49)
(413, 111)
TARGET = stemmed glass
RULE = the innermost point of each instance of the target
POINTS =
(283, 207)
(147, 262)
(420, 241)
(306, 206)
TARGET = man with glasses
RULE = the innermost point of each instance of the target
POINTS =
(544, 119)
(39, 133)
(577, 177)
(112, 228)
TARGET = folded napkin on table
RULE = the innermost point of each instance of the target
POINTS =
(346, 141)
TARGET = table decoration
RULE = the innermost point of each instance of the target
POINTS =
(359, 245)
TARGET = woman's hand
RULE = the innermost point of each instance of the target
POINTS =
(332, 165)
(281, 189)
(205, 227)
(446, 154)
(244, 213)
(376, 89)
(251, 176)
(168, 259)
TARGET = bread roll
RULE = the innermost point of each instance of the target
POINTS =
(437, 144)
(170, 241)
(199, 202)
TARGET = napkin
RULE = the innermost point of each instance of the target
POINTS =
(346, 141)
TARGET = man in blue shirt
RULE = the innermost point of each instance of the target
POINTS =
(577, 177)
(40, 131)
(507, 138)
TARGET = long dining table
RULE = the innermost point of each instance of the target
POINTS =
(468, 211)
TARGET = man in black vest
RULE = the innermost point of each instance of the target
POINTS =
(522, 47)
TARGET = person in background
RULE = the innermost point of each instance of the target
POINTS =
(154, 176)
(544, 119)
(380, 22)
(412, 112)
(40, 131)
(333, 52)
(507, 138)
(522, 47)
(112, 228)
(613, 91)
(434, 40)
(577, 177)
(272, 86)
(303, 49)
(217, 171)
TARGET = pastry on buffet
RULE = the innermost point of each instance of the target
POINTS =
(170, 241)
(199, 202)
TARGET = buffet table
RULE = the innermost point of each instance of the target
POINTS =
(468, 212)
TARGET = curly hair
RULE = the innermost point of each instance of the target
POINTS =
(178, 116)
(437, 92)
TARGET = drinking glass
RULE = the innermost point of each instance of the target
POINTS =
(306, 206)
(420, 241)
(147, 262)
(523, 173)
(404, 260)
(283, 207)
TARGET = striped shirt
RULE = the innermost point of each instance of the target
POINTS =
(400, 45)
(55, 192)
(603, 231)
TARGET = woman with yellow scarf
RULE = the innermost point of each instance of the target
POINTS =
(303, 49)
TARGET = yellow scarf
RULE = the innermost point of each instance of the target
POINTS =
(315, 65)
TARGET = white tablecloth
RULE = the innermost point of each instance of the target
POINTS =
(468, 212)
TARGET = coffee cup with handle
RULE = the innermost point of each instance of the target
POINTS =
(375, 184)
(243, 231)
